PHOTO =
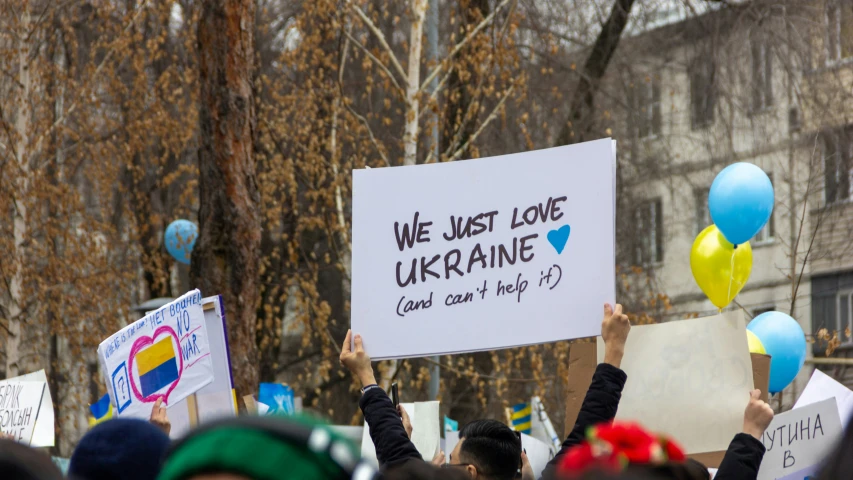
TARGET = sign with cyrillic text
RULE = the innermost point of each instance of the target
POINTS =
(799, 439)
(20, 403)
(165, 355)
(483, 254)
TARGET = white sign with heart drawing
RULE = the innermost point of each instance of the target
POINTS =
(483, 254)
(165, 355)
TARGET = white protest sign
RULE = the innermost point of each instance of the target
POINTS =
(451, 439)
(539, 453)
(820, 387)
(426, 434)
(216, 399)
(798, 440)
(20, 403)
(499, 252)
(43, 432)
(165, 355)
(675, 367)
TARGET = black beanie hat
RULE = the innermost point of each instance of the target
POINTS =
(119, 449)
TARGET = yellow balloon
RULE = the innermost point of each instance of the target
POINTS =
(720, 269)
(755, 345)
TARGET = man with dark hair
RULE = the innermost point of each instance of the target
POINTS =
(487, 449)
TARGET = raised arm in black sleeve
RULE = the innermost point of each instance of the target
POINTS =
(393, 446)
(599, 405)
(742, 459)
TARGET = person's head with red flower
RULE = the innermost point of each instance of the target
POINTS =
(625, 450)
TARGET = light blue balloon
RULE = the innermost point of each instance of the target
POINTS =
(741, 201)
(785, 342)
(180, 239)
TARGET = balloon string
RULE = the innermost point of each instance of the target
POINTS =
(731, 278)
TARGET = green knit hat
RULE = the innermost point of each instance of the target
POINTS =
(266, 448)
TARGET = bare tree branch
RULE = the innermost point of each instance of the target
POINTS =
(381, 37)
(593, 70)
(90, 78)
(800, 232)
(382, 66)
(435, 71)
(367, 127)
(483, 125)
(434, 94)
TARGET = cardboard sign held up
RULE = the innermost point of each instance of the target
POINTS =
(475, 246)
(43, 432)
(583, 361)
(216, 399)
(674, 368)
(165, 355)
(20, 403)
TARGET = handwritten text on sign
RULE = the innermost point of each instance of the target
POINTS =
(507, 245)
(20, 403)
(799, 439)
(482, 257)
(164, 355)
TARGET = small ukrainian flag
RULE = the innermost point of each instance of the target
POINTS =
(101, 410)
(521, 418)
(157, 366)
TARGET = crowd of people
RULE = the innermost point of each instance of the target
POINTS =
(269, 448)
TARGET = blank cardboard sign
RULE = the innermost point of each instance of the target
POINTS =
(674, 371)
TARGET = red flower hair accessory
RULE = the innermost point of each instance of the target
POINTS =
(613, 446)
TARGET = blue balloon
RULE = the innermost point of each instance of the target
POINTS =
(741, 201)
(180, 239)
(785, 342)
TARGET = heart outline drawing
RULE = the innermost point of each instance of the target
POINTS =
(146, 341)
(559, 237)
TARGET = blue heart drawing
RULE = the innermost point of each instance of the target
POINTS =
(559, 237)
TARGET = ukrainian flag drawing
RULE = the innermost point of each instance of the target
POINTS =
(157, 366)
(521, 418)
(101, 410)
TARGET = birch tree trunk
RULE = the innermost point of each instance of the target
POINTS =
(410, 138)
(19, 228)
(225, 259)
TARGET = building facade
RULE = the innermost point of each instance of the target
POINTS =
(749, 83)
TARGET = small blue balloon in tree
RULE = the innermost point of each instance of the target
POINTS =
(180, 239)
(741, 201)
(785, 342)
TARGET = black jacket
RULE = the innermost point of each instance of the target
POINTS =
(393, 446)
(599, 405)
(742, 459)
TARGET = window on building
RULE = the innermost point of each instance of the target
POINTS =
(702, 95)
(703, 215)
(832, 307)
(762, 79)
(839, 30)
(647, 107)
(837, 150)
(843, 321)
(767, 233)
(649, 220)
